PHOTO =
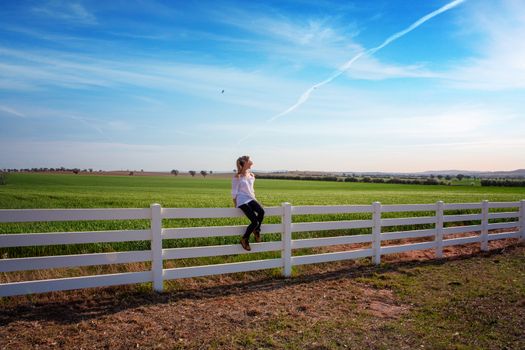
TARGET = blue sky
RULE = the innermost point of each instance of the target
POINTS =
(138, 85)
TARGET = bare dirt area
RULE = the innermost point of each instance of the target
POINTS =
(221, 312)
(213, 315)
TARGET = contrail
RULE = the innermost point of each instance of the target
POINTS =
(306, 95)
(12, 111)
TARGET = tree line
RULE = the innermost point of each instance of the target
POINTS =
(45, 170)
(431, 180)
(204, 173)
(365, 179)
(503, 182)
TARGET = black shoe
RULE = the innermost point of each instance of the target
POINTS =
(245, 244)
(257, 234)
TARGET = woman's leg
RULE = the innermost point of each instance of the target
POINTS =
(256, 207)
(250, 213)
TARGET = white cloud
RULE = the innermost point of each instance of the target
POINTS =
(497, 29)
(369, 124)
(316, 43)
(66, 11)
(41, 68)
(372, 69)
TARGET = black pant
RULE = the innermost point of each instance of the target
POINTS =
(255, 213)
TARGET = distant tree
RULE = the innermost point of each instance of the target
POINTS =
(211, 172)
(460, 176)
(204, 173)
(432, 176)
(431, 181)
(440, 177)
(90, 170)
(76, 171)
(131, 173)
(192, 172)
(174, 172)
(448, 177)
(3, 178)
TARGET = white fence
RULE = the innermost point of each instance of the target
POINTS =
(286, 245)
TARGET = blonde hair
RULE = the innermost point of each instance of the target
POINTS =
(240, 163)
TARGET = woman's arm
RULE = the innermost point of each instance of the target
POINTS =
(235, 187)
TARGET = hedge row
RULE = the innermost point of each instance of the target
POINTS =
(310, 178)
(503, 183)
(365, 179)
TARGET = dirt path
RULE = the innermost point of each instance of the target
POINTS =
(211, 312)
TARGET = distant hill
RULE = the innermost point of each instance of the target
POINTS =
(519, 173)
(512, 173)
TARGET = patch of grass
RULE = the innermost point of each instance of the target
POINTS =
(467, 303)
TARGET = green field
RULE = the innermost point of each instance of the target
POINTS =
(81, 191)
(92, 191)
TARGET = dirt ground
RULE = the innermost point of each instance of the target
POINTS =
(209, 312)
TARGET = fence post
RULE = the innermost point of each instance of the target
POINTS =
(286, 237)
(156, 247)
(439, 229)
(376, 232)
(484, 225)
(522, 219)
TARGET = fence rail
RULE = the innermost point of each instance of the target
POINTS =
(156, 234)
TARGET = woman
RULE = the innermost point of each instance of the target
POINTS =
(244, 198)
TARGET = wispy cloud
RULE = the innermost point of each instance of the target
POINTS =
(67, 11)
(315, 42)
(345, 67)
(11, 111)
(46, 68)
(279, 27)
(496, 31)
(392, 124)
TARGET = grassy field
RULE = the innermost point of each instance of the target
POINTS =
(84, 191)
(91, 191)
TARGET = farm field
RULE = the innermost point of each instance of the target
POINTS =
(91, 191)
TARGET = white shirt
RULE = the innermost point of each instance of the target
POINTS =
(242, 189)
